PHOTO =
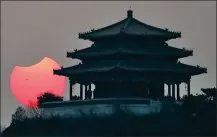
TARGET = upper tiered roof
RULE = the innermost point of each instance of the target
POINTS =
(130, 49)
(130, 26)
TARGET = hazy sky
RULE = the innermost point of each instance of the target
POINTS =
(32, 30)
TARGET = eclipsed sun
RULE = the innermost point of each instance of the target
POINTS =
(27, 83)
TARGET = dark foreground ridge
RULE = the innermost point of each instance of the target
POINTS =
(196, 117)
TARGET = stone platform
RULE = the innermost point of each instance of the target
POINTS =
(101, 107)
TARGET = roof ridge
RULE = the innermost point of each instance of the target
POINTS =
(154, 27)
(103, 28)
(150, 26)
(127, 23)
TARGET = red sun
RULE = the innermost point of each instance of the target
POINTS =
(27, 83)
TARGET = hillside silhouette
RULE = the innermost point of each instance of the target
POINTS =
(196, 117)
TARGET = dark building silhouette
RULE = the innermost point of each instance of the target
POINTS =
(210, 92)
(130, 59)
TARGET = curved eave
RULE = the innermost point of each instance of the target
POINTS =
(94, 38)
(81, 54)
(199, 72)
(95, 55)
(168, 35)
(189, 70)
(171, 35)
(73, 72)
(194, 70)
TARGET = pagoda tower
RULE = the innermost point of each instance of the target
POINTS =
(130, 59)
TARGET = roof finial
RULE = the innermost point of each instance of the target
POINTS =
(130, 13)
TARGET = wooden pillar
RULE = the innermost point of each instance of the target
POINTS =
(91, 93)
(88, 92)
(94, 92)
(178, 91)
(161, 90)
(169, 90)
(173, 91)
(189, 87)
(88, 87)
(70, 89)
(81, 91)
(85, 91)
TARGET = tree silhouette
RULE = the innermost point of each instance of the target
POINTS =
(48, 97)
(19, 115)
(33, 111)
(200, 113)
(2, 128)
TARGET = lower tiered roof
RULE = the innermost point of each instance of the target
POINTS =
(141, 66)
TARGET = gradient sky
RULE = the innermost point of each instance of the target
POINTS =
(33, 30)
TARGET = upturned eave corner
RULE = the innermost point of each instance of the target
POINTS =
(176, 34)
(55, 71)
(202, 70)
(191, 52)
(69, 54)
(205, 70)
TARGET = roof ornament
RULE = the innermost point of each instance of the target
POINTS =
(130, 13)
